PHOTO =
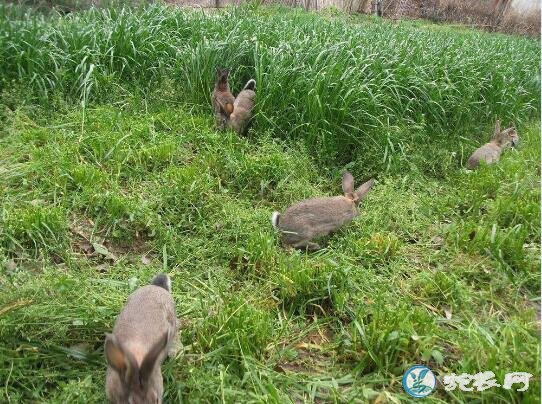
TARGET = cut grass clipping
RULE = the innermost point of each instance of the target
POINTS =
(112, 171)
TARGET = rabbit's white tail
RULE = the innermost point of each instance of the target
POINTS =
(275, 220)
(251, 85)
(163, 281)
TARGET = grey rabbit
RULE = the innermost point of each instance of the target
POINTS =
(222, 99)
(144, 334)
(315, 217)
(242, 108)
(491, 152)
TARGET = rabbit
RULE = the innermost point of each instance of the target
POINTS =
(315, 217)
(144, 333)
(490, 152)
(242, 108)
(222, 99)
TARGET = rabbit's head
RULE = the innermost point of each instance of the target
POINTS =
(506, 138)
(355, 195)
(133, 383)
(222, 75)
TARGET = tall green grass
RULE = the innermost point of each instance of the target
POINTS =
(380, 94)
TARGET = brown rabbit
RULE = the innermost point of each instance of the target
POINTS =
(491, 152)
(222, 99)
(315, 217)
(144, 333)
(242, 108)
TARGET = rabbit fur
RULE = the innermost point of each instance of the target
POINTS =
(316, 217)
(143, 335)
(242, 108)
(491, 151)
(222, 99)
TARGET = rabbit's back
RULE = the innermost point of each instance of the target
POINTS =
(147, 315)
(315, 217)
(489, 153)
(242, 110)
(245, 101)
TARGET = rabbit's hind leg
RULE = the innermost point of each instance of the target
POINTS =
(173, 346)
(221, 121)
(307, 245)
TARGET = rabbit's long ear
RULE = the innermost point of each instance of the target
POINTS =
(348, 184)
(149, 361)
(120, 360)
(497, 128)
(362, 190)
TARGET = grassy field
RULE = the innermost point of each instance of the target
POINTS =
(111, 171)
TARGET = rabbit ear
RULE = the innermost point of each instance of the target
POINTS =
(119, 359)
(114, 355)
(348, 184)
(497, 128)
(362, 190)
(149, 361)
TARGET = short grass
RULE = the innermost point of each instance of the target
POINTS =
(441, 268)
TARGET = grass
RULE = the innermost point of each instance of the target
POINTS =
(352, 92)
(114, 172)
